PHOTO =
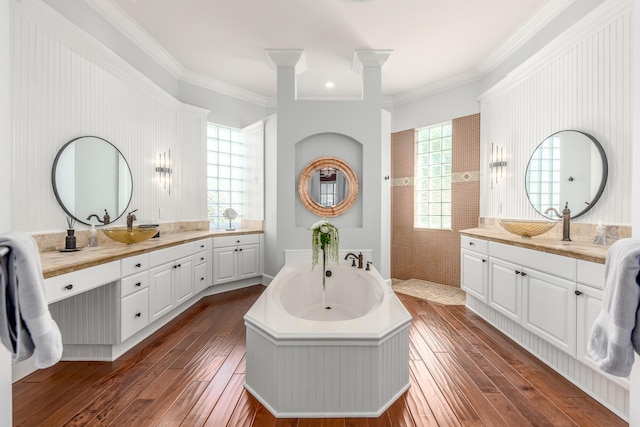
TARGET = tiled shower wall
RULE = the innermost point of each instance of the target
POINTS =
(434, 255)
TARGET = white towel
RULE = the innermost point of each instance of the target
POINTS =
(26, 326)
(614, 336)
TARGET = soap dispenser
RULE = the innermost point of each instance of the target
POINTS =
(93, 237)
(601, 236)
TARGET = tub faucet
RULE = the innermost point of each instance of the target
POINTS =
(354, 257)
(106, 220)
(130, 218)
(566, 220)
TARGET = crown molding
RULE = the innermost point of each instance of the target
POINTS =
(439, 86)
(518, 38)
(369, 58)
(598, 18)
(223, 88)
(117, 17)
(287, 58)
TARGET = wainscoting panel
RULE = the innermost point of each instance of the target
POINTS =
(580, 81)
(66, 85)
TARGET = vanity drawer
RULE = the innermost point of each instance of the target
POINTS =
(163, 256)
(200, 258)
(134, 264)
(245, 239)
(591, 273)
(134, 283)
(556, 265)
(473, 244)
(202, 245)
(134, 313)
(76, 282)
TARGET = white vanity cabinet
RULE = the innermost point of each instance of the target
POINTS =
(134, 294)
(171, 278)
(474, 267)
(236, 258)
(548, 304)
(202, 265)
(536, 290)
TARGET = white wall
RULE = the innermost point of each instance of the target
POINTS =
(579, 81)
(5, 180)
(66, 85)
(300, 119)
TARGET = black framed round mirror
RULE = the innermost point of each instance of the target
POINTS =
(91, 177)
(567, 167)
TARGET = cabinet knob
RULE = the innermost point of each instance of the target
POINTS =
(517, 272)
(68, 287)
(138, 284)
(237, 241)
(138, 265)
(240, 249)
(179, 265)
(484, 260)
(202, 246)
(235, 250)
(201, 259)
(138, 314)
(522, 273)
(202, 278)
(577, 292)
(471, 244)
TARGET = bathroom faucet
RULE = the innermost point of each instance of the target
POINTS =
(106, 220)
(566, 220)
(354, 257)
(130, 218)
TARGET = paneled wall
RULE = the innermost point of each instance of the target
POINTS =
(65, 85)
(579, 81)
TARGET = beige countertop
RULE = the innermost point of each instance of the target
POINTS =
(55, 263)
(579, 250)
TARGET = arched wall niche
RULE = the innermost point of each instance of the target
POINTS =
(336, 145)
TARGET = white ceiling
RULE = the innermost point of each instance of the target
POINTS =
(435, 42)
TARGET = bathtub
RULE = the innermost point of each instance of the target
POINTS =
(339, 353)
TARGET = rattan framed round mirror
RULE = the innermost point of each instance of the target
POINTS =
(328, 187)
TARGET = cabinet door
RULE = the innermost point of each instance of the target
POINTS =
(248, 261)
(504, 288)
(549, 309)
(474, 271)
(183, 279)
(588, 305)
(224, 267)
(200, 278)
(160, 291)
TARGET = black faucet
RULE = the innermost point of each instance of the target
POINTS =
(130, 218)
(566, 220)
(106, 220)
(354, 257)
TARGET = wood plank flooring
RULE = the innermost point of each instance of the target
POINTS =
(191, 373)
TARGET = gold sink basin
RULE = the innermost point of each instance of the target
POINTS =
(135, 235)
(524, 228)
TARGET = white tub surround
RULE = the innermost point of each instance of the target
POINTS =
(305, 361)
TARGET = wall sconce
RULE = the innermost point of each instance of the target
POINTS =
(497, 164)
(164, 168)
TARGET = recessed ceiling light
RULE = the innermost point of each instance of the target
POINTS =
(329, 85)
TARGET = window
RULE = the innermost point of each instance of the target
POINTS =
(432, 186)
(543, 175)
(225, 161)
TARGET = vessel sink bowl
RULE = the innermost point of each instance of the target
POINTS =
(526, 228)
(135, 235)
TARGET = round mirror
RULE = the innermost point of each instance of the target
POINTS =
(328, 187)
(91, 178)
(567, 167)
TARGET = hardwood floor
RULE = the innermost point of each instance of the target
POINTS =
(191, 373)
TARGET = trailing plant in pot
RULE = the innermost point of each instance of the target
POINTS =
(325, 238)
